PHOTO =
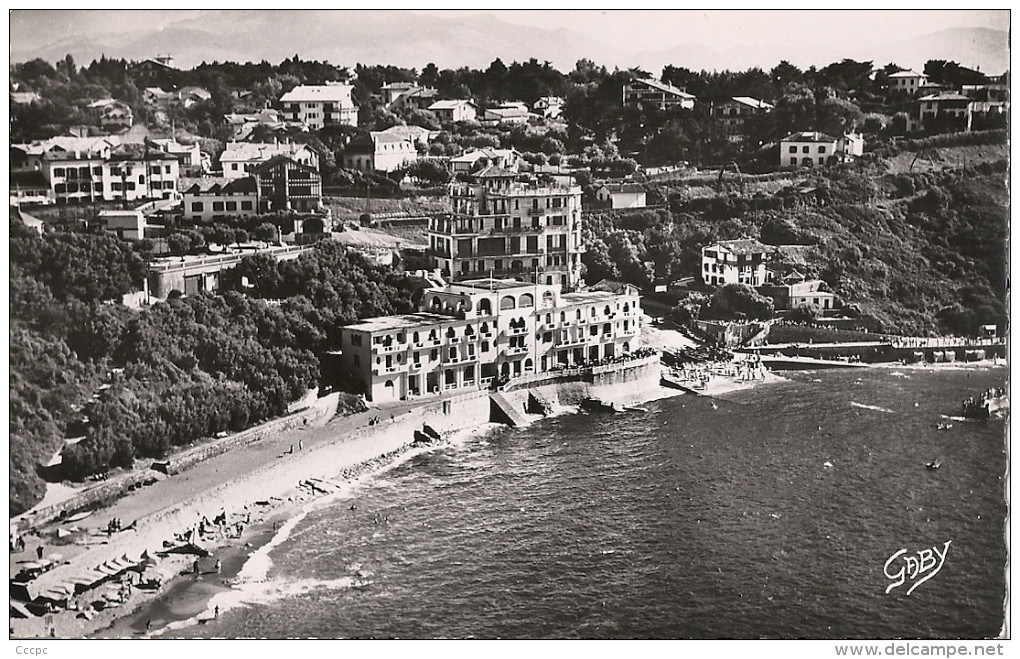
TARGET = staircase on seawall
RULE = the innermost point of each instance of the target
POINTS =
(503, 411)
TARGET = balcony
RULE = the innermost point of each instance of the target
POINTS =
(384, 370)
(517, 350)
(515, 331)
(572, 341)
(393, 347)
(521, 229)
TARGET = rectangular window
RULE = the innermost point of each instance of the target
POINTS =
(97, 171)
(217, 205)
(793, 149)
(130, 185)
(197, 207)
(58, 171)
(167, 169)
(793, 161)
(231, 205)
(821, 149)
(355, 339)
(805, 149)
(246, 205)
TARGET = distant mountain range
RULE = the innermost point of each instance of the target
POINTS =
(409, 39)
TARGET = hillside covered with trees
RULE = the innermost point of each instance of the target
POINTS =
(916, 253)
(135, 384)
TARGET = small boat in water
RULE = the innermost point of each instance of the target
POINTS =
(934, 464)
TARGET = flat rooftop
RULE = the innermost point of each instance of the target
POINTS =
(490, 284)
(399, 321)
(582, 297)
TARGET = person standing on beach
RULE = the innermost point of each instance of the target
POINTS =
(219, 565)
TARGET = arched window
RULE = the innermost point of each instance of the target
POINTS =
(508, 302)
(607, 310)
(450, 333)
(547, 298)
(436, 301)
(626, 307)
(528, 364)
(593, 312)
(462, 305)
(516, 266)
(548, 319)
(527, 300)
(485, 328)
(416, 338)
(579, 314)
(485, 307)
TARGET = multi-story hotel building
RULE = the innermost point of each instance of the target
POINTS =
(503, 226)
(467, 334)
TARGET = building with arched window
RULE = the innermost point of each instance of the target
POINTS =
(468, 334)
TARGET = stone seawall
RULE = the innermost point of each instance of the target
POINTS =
(318, 413)
(618, 383)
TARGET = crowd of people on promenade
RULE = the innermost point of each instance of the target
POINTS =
(942, 341)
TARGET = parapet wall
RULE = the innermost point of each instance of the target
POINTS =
(321, 411)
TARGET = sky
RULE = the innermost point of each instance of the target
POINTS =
(647, 29)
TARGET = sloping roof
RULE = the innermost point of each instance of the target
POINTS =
(742, 246)
(907, 74)
(476, 154)
(382, 136)
(624, 188)
(753, 102)
(83, 144)
(33, 179)
(320, 94)
(104, 102)
(134, 151)
(945, 96)
(406, 132)
(22, 98)
(808, 136)
(244, 151)
(611, 286)
(276, 160)
(494, 171)
(245, 185)
(399, 85)
(665, 87)
(450, 104)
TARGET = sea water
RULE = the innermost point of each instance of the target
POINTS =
(779, 512)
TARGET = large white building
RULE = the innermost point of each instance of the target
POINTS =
(468, 334)
(318, 106)
(510, 226)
